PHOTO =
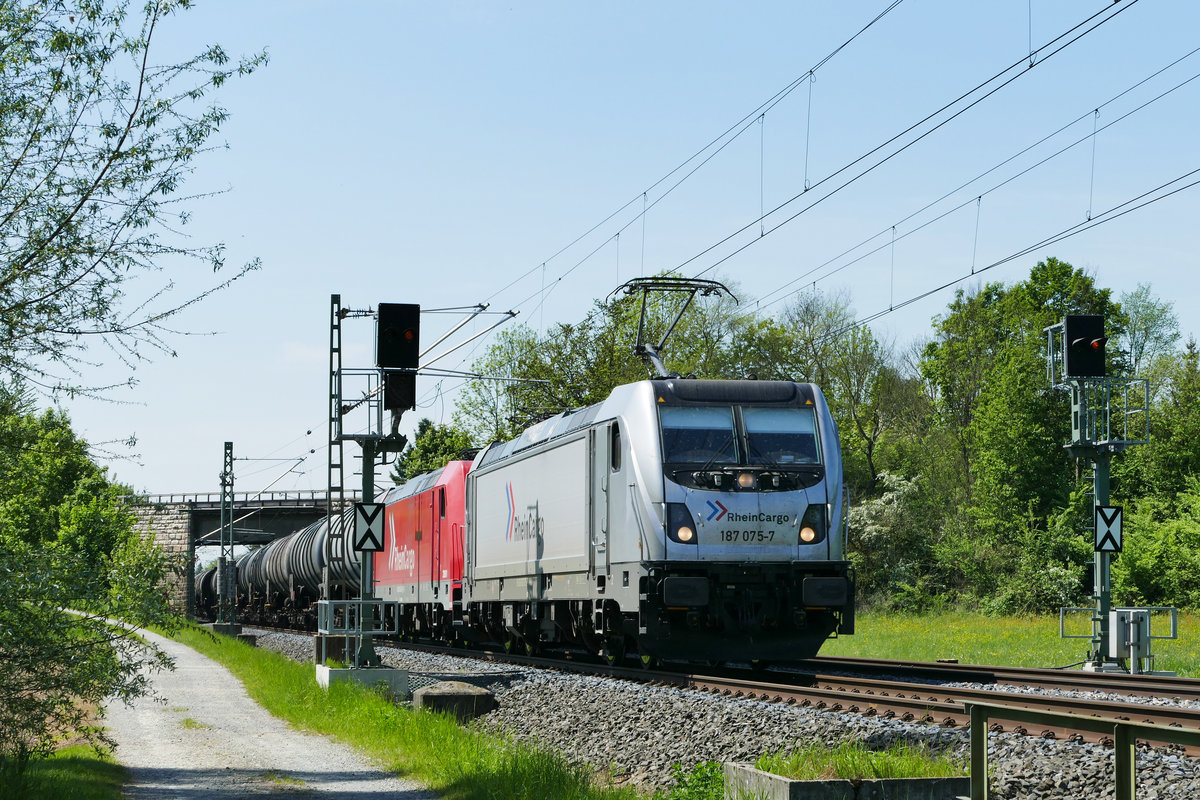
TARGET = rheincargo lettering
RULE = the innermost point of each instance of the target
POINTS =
(779, 519)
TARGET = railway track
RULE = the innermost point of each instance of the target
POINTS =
(1159, 686)
(904, 690)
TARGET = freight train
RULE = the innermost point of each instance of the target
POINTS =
(679, 518)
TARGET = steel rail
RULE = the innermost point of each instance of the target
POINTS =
(1161, 686)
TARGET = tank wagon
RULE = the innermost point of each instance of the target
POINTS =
(677, 519)
(279, 583)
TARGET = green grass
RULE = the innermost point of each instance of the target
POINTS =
(853, 761)
(281, 779)
(74, 772)
(192, 724)
(457, 762)
(1031, 641)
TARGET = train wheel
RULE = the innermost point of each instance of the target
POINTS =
(648, 661)
(613, 650)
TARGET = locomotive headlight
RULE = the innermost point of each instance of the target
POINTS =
(813, 526)
(747, 480)
(681, 527)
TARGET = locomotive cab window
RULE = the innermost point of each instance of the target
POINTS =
(442, 503)
(614, 449)
(781, 436)
(698, 435)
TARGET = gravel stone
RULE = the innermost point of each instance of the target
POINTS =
(632, 733)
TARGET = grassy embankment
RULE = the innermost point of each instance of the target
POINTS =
(456, 762)
(1001, 641)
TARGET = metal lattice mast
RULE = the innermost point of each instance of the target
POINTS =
(225, 565)
(335, 498)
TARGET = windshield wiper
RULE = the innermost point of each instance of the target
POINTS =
(754, 451)
(720, 450)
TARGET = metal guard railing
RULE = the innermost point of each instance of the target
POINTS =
(341, 617)
(1124, 736)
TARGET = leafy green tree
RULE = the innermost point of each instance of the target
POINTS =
(97, 139)
(70, 561)
(956, 361)
(431, 448)
(1152, 330)
(1161, 468)
(42, 463)
(865, 393)
(59, 651)
(988, 364)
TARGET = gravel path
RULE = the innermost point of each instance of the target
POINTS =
(205, 739)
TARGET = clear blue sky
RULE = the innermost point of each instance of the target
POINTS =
(434, 152)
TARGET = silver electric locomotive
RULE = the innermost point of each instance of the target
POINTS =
(677, 519)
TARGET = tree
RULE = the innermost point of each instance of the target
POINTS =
(70, 561)
(1161, 467)
(955, 363)
(54, 662)
(1152, 330)
(1160, 564)
(863, 385)
(96, 143)
(42, 463)
(988, 363)
(97, 140)
(431, 448)
(816, 325)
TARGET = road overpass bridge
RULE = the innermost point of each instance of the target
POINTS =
(179, 523)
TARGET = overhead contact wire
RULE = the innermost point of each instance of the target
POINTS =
(1001, 164)
(905, 132)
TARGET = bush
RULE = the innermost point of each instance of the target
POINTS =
(888, 546)
(1160, 565)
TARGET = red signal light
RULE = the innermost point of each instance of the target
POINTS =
(1085, 340)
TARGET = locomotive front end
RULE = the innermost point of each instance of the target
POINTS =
(753, 564)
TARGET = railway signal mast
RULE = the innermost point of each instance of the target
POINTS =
(389, 386)
(358, 400)
(1108, 416)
